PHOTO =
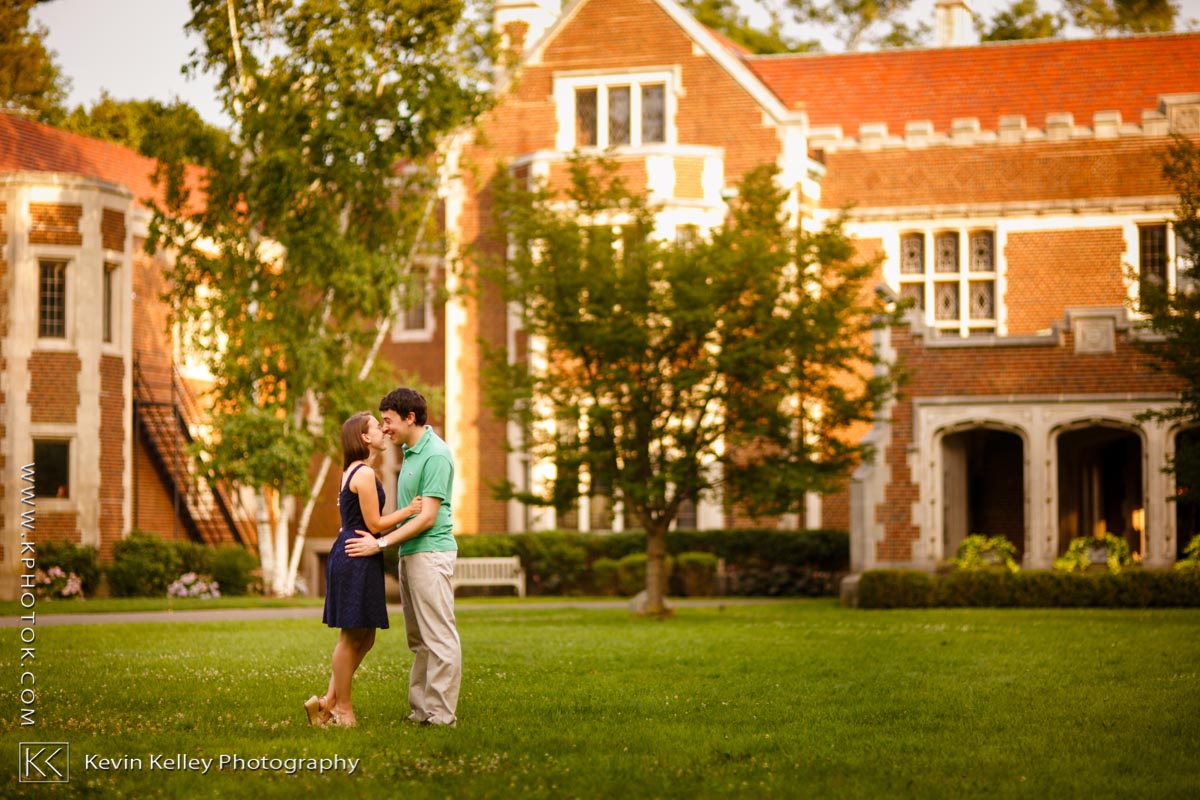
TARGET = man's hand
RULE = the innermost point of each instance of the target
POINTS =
(365, 544)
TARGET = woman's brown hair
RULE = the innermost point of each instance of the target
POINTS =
(353, 446)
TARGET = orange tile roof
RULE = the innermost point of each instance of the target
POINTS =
(986, 81)
(31, 146)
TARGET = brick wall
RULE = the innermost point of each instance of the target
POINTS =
(112, 229)
(1050, 271)
(53, 387)
(4, 300)
(153, 510)
(995, 173)
(54, 223)
(112, 459)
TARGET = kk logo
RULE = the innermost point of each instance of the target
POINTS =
(44, 762)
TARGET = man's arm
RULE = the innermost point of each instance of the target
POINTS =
(368, 545)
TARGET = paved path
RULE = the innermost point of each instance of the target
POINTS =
(314, 612)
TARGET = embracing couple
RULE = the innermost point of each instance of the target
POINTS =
(354, 594)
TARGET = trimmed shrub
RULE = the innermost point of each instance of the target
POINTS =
(631, 573)
(193, 557)
(695, 574)
(81, 560)
(143, 566)
(895, 588)
(234, 569)
(554, 562)
(604, 575)
(1137, 588)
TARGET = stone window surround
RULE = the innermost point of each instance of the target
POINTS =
(62, 432)
(565, 84)
(1172, 255)
(400, 332)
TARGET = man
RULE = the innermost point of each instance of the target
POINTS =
(427, 554)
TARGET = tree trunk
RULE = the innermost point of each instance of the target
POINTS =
(656, 569)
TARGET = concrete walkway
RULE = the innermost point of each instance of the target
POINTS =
(314, 612)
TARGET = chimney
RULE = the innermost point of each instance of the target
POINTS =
(952, 22)
(522, 22)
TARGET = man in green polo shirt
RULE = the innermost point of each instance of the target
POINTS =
(427, 554)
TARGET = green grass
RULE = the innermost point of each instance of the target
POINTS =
(799, 699)
(104, 605)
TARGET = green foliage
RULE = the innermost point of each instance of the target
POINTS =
(194, 557)
(30, 81)
(155, 129)
(234, 569)
(82, 560)
(605, 575)
(695, 573)
(143, 566)
(985, 552)
(895, 588)
(726, 17)
(1108, 17)
(859, 22)
(759, 562)
(1137, 588)
(1020, 21)
(1191, 555)
(741, 360)
(308, 234)
(1078, 557)
(631, 573)
(1174, 315)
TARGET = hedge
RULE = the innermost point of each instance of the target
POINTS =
(1133, 588)
(758, 561)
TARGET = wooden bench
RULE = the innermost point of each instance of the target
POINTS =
(502, 571)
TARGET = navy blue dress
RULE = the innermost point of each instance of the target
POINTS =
(354, 596)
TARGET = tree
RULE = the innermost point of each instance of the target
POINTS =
(154, 129)
(855, 19)
(1173, 313)
(287, 276)
(1108, 17)
(1021, 20)
(725, 17)
(666, 371)
(30, 81)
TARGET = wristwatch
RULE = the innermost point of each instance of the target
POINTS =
(379, 541)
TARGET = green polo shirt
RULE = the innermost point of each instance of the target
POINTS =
(428, 471)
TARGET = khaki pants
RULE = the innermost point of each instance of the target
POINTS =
(428, 598)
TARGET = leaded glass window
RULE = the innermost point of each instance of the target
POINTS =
(654, 114)
(914, 292)
(1152, 250)
(586, 114)
(946, 252)
(52, 299)
(618, 115)
(983, 299)
(912, 254)
(945, 301)
(983, 257)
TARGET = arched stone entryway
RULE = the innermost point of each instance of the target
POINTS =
(983, 480)
(1187, 513)
(1100, 484)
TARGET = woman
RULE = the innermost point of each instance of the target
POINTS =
(354, 596)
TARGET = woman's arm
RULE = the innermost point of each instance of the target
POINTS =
(368, 545)
(363, 484)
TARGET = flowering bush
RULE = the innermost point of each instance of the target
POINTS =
(984, 552)
(1084, 551)
(192, 585)
(56, 583)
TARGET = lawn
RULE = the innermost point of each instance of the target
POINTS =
(799, 699)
